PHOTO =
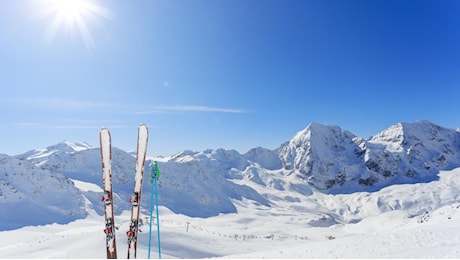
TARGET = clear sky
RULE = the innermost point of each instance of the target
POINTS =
(232, 74)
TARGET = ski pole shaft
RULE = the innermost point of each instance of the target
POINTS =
(158, 220)
(151, 213)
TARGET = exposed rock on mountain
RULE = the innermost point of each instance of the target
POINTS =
(336, 161)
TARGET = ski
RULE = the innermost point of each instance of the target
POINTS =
(135, 199)
(106, 158)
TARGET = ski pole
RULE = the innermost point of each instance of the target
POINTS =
(151, 210)
(153, 180)
(157, 171)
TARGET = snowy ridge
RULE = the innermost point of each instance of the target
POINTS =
(203, 182)
(322, 186)
(34, 196)
(324, 155)
(336, 161)
(317, 161)
(64, 146)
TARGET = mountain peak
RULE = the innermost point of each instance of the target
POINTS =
(68, 147)
(320, 136)
(403, 135)
(316, 153)
(316, 131)
(76, 147)
(329, 157)
(63, 147)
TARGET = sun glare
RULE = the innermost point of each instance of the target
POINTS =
(71, 15)
(70, 10)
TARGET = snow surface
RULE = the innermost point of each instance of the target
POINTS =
(87, 186)
(262, 232)
(293, 202)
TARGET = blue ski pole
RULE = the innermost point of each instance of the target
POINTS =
(158, 216)
(153, 180)
(151, 211)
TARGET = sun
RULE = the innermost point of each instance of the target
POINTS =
(71, 10)
(70, 16)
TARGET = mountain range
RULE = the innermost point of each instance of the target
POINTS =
(317, 162)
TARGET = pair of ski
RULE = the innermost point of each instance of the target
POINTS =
(135, 199)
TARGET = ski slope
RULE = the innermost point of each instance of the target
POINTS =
(256, 231)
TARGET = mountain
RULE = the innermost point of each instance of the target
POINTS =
(325, 156)
(297, 178)
(82, 162)
(336, 161)
(63, 147)
(29, 195)
(193, 183)
(200, 184)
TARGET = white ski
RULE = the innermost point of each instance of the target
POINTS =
(106, 158)
(136, 197)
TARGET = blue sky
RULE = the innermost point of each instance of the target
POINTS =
(232, 74)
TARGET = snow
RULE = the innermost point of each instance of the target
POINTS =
(259, 232)
(87, 186)
(336, 161)
(222, 204)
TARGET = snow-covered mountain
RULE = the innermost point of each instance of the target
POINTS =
(30, 195)
(82, 162)
(298, 177)
(336, 161)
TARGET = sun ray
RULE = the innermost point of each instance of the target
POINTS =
(71, 15)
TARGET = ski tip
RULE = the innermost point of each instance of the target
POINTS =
(143, 126)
